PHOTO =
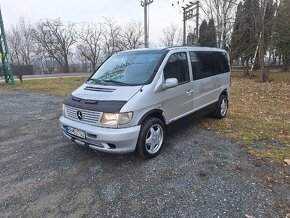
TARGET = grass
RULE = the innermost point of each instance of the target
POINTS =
(273, 76)
(258, 112)
(60, 86)
(280, 77)
(278, 154)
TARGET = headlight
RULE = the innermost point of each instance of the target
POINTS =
(114, 119)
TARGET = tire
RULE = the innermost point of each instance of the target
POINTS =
(148, 147)
(221, 107)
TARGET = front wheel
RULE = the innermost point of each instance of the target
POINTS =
(151, 138)
(221, 108)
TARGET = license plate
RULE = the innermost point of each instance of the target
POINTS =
(76, 132)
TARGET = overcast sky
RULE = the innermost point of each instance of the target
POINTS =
(161, 12)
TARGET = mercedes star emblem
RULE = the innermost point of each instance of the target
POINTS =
(80, 115)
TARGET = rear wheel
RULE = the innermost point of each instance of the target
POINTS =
(151, 138)
(222, 107)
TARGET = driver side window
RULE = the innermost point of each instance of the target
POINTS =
(177, 67)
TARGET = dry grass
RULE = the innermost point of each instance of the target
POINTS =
(258, 112)
(280, 77)
(273, 76)
(278, 154)
(60, 87)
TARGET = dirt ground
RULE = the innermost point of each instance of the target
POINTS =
(198, 174)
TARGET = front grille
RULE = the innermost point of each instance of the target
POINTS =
(88, 117)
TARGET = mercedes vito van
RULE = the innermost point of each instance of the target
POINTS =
(127, 103)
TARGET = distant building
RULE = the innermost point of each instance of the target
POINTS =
(192, 39)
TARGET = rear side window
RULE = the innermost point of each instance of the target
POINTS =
(196, 64)
(202, 65)
(218, 66)
(223, 60)
(177, 67)
(207, 64)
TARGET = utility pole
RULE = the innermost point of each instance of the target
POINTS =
(197, 18)
(4, 56)
(145, 4)
(188, 14)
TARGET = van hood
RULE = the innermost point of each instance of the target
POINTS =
(105, 93)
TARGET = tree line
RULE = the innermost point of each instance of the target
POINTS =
(261, 35)
(256, 33)
(53, 45)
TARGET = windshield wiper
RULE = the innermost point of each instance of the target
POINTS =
(97, 81)
(116, 82)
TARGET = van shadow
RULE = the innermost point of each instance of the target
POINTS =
(185, 123)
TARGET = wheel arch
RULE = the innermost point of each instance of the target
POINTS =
(153, 113)
(224, 92)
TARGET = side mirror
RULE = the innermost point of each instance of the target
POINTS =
(170, 83)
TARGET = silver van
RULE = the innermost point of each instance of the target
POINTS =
(127, 103)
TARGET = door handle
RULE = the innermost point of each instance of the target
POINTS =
(189, 92)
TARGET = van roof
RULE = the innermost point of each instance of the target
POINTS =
(188, 48)
(193, 48)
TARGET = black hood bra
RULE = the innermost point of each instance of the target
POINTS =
(94, 105)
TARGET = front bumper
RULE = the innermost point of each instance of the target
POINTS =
(108, 140)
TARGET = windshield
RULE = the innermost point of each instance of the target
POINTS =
(128, 68)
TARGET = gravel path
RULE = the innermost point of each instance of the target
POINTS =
(198, 174)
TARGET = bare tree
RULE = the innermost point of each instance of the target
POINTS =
(131, 35)
(21, 43)
(222, 12)
(264, 17)
(21, 46)
(282, 34)
(56, 39)
(13, 38)
(112, 34)
(244, 37)
(89, 42)
(171, 36)
(85, 65)
(43, 61)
